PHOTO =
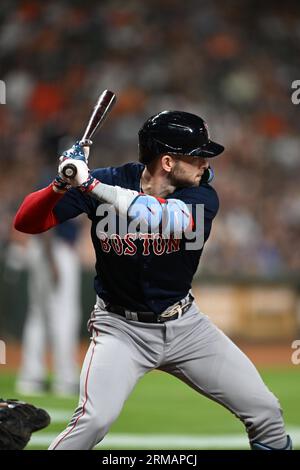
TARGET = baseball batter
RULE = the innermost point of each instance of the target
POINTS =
(145, 316)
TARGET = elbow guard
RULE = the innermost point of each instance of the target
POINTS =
(169, 217)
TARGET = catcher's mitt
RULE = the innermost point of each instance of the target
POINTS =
(17, 421)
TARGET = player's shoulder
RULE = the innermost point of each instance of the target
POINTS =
(125, 175)
(202, 194)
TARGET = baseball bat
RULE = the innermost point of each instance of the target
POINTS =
(103, 106)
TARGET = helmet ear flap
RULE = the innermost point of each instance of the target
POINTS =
(207, 176)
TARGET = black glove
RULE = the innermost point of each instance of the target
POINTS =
(17, 421)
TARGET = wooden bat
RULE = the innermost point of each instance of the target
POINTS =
(103, 106)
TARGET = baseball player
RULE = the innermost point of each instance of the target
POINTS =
(54, 279)
(145, 316)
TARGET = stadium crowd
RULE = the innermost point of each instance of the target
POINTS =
(233, 66)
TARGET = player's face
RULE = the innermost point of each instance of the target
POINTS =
(187, 170)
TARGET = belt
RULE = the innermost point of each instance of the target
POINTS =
(172, 313)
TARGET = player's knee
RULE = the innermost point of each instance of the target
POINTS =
(100, 423)
(270, 410)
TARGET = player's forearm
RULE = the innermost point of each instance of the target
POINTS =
(120, 198)
(35, 214)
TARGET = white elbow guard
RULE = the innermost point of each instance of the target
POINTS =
(146, 211)
(171, 217)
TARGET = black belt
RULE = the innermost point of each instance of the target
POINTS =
(172, 313)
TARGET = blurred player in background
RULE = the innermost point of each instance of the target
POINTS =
(53, 312)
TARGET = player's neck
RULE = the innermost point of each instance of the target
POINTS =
(155, 183)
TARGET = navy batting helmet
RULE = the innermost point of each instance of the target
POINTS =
(176, 132)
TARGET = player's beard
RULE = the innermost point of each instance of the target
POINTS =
(179, 178)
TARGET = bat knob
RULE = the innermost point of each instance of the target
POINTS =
(70, 170)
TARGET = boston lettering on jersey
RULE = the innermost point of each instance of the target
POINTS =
(140, 271)
(154, 242)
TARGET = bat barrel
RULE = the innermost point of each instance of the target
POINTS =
(103, 106)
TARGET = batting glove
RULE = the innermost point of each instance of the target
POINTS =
(77, 152)
(78, 156)
(59, 185)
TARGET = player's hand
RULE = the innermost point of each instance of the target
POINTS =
(77, 152)
(81, 176)
(78, 156)
(83, 180)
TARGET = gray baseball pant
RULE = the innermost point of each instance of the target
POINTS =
(190, 348)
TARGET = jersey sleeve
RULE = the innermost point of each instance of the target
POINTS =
(72, 204)
(206, 196)
(75, 202)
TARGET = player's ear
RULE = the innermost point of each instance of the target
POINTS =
(167, 162)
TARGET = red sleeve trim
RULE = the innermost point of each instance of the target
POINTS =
(160, 199)
(192, 226)
(35, 214)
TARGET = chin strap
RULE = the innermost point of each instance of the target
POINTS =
(260, 446)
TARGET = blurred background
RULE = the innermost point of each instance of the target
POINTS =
(232, 62)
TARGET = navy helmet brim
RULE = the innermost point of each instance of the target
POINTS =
(209, 150)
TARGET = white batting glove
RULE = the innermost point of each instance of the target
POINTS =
(83, 180)
(78, 157)
(82, 171)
